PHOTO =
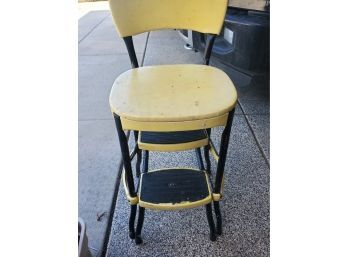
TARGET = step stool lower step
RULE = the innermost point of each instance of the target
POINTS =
(172, 189)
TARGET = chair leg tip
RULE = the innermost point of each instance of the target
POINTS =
(138, 240)
(131, 235)
(219, 231)
(212, 237)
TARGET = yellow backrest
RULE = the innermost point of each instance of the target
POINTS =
(132, 17)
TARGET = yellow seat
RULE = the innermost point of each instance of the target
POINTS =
(172, 97)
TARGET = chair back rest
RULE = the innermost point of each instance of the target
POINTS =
(133, 17)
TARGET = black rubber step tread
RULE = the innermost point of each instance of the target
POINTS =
(177, 137)
(173, 186)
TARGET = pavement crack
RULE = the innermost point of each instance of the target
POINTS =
(112, 209)
(100, 216)
(93, 28)
(254, 135)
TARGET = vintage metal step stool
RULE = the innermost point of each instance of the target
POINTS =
(172, 108)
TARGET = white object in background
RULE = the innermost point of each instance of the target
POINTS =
(83, 240)
(228, 35)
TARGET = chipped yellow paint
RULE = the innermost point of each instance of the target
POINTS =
(172, 147)
(138, 16)
(174, 126)
(177, 206)
(213, 152)
(217, 197)
(131, 200)
(173, 93)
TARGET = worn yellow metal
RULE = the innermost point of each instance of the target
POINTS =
(138, 16)
(132, 200)
(217, 197)
(174, 126)
(213, 152)
(176, 206)
(177, 94)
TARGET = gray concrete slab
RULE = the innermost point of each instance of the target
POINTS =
(253, 92)
(104, 40)
(86, 7)
(166, 47)
(98, 158)
(261, 127)
(90, 21)
(254, 99)
(96, 77)
(99, 66)
(245, 209)
(255, 107)
(240, 80)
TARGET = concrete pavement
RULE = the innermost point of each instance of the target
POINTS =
(102, 57)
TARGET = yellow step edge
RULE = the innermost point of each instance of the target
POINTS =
(132, 200)
(171, 126)
(177, 206)
(172, 147)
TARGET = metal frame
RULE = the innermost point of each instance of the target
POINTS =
(219, 171)
(141, 210)
(138, 152)
(131, 51)
(225, 138)
(208, 48)
(207, 54)
(208, 208)
(127, 158)
(128, 172)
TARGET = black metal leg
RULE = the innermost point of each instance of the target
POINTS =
(128, 172)
(141, 210)
(223, 153)
(199, 158)
(206, 154)
(220, 168)
(210, 221)
(141, 213)
(138, 163)
(207, 159)
(218, 218)
(146, 161)
(131, 221)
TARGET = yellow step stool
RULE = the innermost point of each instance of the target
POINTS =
(172, 108)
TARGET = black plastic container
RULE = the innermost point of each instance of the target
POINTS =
(243, 43)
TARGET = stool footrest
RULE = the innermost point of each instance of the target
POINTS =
(172, 141)
(172, 189)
